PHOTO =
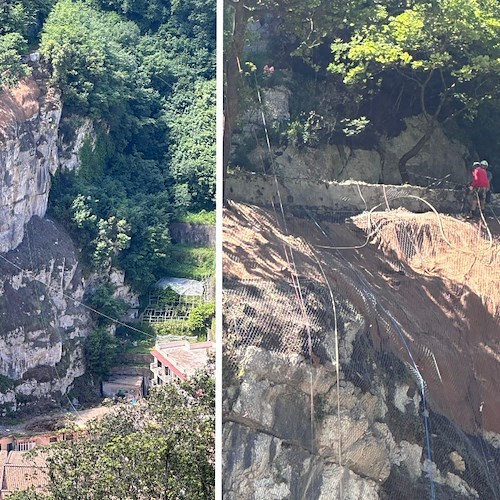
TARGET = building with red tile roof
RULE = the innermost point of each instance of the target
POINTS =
(178, 360)
(20, 472)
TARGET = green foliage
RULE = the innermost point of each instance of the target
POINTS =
(100, 352)
(6, 383)
(191, 262)
(200, 318)
(162, 449)
(172, 327)
(202, 217)
(138, 347)
(445, 53)
(12, 69)
(104, 238)
(24, 17)
(103, 301)
(448, 49)
(27, 494)
(354, 126)
(167, 295)
(145, 71)
(91, 56)
(193, 154)
(122, 332)
(306, 131)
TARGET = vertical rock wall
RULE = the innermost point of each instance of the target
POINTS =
(42, 329)
(42, 322)
(29, 121)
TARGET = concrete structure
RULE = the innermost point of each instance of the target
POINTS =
(132, 387)
(328, 196)
(178, 360)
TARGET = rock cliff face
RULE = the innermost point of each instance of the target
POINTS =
(34, 144)
(41, 328)
(42, 323)
(29, 121)
(276, 448)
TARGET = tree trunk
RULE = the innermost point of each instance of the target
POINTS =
(232, 73)
(414, 152)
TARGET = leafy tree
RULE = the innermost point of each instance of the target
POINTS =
(104, 238)
(193, 158)
(160, 449)
(12, 45)
(91, 56)
(148, 84)
(102, 300)
(446, 51)
(100, 352)
(28, 494)
(24, 17)
(200, 318)
(112, 237)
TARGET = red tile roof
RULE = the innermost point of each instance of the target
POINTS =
(183, 358)
(19, 472)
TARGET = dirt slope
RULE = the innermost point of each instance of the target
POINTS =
(18, 104)
(438, 279)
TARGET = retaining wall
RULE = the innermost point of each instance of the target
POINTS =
(323, 196)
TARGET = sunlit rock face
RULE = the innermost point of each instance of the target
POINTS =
(29, 121)
(42, 322)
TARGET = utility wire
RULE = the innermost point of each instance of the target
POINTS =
(78, 302)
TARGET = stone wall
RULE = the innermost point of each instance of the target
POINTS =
(193, 234)
(325, 196)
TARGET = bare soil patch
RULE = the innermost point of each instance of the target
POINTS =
(18, 104)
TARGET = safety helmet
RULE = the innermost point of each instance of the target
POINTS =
(484, 163)
(476, 164)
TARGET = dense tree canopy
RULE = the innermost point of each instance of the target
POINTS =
(91, 56)
(447, 52)
(162, 448)
(194, 147)
(357, 69)
(25, 17)
(144, 71)
(11, 69)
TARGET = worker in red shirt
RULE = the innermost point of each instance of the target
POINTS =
(479, 185)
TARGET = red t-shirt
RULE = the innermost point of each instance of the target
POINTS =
(480, 178)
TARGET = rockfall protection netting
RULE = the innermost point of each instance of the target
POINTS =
(431, 372)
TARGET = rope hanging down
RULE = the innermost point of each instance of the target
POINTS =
(298, 288)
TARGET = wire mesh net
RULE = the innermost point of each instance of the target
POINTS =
(432, 371)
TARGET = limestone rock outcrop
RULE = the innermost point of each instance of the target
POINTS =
(34, 144)
(441, 156)
(42, 321)
(319, 398)
(29, 121)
